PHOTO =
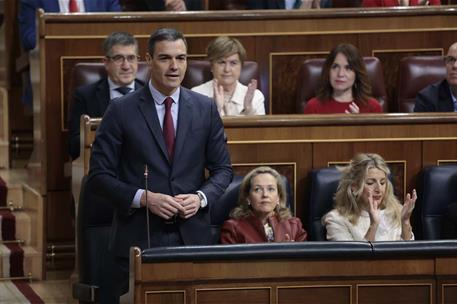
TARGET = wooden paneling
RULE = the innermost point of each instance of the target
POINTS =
(395, 293)
(233, 295)
(315, 294)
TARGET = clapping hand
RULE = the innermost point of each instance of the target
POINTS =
(218, 96)
(353, 109)
(252, 86)
(408, 206)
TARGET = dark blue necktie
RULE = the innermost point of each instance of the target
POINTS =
(123, 90)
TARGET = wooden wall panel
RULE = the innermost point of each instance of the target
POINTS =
(315, 294)
(233, 295)
(395, 293)
(165, 297)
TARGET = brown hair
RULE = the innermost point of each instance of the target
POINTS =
(347, 201)
(361, 90)
(224, 46)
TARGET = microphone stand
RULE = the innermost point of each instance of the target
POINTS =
(147, 206)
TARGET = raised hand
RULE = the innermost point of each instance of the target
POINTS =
(218, 96)
(353, 109)
(408, 206)
(252, 86)
(373, 210)
(175, 5)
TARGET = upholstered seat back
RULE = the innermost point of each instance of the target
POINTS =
(199, 71)
(436, 188)
(414, 74)
(324, 183)
(310, 73)
(89, 72)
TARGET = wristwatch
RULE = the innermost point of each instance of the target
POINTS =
(203, 202)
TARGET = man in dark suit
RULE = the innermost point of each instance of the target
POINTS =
(121, 64)
(441, 96)
(27, 16)
(177, 134)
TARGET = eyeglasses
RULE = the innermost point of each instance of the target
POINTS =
(450, 60)
(119, 59)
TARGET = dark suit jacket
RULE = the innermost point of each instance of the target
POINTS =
(28, 10)
(435, 98)
(92, 100)
(159, 5)
(130, 136)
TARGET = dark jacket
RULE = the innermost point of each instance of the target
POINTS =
(435, 98)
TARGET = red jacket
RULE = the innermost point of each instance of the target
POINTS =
(250, 230)
(387, 3)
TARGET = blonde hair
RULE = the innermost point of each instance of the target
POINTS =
(348, 202)
(224, 46)
(244, 209)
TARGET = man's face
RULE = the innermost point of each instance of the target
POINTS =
(122, 64)
(451, 66)
(168, 65)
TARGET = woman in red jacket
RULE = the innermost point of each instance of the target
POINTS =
(262, 214)
(389, 3)
(344, 85)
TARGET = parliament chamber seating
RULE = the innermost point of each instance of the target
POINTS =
(310, 73)
(414, 74)
(436, 189)
(324, 183)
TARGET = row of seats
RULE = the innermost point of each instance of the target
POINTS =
(415, 73)
(436, 189)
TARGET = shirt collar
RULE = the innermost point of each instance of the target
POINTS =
(238, 94)
(159, 98)
(113, 86)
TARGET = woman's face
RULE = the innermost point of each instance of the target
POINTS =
(227, 70)
(342, 76)
(263, 196)
(374, 185)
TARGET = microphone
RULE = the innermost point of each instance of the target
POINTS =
(147, 206)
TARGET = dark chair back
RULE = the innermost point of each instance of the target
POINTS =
(90, 72)
(310, 73)
(414, 74)
(436, 189)
(324, 183)
(199, 71)
(93, 226)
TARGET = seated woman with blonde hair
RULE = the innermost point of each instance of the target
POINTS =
(262, 214)
(344, 86)
(365, 205)
(227, 56)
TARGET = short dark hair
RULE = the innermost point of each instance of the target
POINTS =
(164, 34)
(119, 38)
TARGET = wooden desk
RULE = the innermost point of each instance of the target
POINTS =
(324, 278)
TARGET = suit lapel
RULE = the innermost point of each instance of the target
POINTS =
(102, 95)
(148, 109)
(184, 121)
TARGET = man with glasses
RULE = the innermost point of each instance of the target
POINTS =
(121, 64)
(441, 96)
